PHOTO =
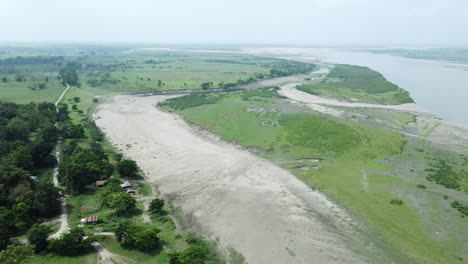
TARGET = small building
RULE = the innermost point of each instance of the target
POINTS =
(126, 185)
(90, 220)
(100, 184)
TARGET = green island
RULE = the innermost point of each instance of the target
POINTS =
(356, 83)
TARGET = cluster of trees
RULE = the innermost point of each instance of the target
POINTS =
(287, 68)
(27, 138)
(81, 166)
(73, 243)
(96, 79)
(69, 74)
(114, 197)
(132, 235)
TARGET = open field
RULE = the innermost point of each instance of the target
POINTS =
(359, 166)
(288, 223)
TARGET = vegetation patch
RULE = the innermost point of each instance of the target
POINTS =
(323, 135)
(191, 100)
(445, 174)
(361, 83)
(460, 207)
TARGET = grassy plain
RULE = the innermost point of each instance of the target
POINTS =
(354, 164)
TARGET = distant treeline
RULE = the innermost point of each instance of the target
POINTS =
(32, 60)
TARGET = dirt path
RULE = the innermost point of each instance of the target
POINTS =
(242, 201)
(63, 218)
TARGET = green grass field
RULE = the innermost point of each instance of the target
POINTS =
(348, 82)
(346, 151)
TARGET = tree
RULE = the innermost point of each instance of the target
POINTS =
(159, 83)
(147, 239)
(69, 75)
(95, 100)
(76, 99)
(156, 206)
(4, 79)
(131, 235)
(42, 86)
(194, 254)
(112, 186)
(47, 200)
(73, 243)
(206, 85)
(37, 236)
(18, 129)
(6, 227)
(20, 78)
(16, 254)
(122, 202)
(127, 168)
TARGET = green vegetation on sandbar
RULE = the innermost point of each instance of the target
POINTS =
(343, 159)
(447, 54)
(349, 82)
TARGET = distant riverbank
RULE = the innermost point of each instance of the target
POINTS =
(437, 86)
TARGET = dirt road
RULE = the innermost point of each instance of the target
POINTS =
(241, 201)
(63, 218)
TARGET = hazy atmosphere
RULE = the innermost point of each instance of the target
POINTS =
(233, 132)
(306, 22)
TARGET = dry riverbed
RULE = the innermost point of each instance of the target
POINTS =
(230, 195)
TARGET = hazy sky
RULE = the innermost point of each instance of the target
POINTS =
(310, 22)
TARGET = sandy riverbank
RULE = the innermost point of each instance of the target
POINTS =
(236, 198)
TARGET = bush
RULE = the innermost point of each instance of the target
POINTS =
(16, 254)
(37, 236)
(197, 252)
(156, 206)
(396, 202)
(72, 243)
(122, 202)
(131, 235)
(460, 207)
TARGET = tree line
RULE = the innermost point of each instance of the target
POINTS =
(27, 139)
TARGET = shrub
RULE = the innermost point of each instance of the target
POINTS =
(156, 206)
(131, 235)
(396, 202)
(73, 243)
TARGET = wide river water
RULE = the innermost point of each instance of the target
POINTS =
(439, 87)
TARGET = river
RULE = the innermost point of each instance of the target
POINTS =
(437, 86)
